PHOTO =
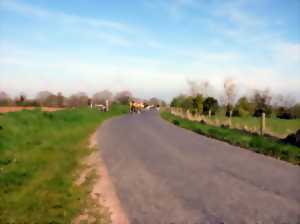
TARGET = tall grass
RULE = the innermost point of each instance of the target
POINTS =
(259, 144)
(274, 126)
(39, 153)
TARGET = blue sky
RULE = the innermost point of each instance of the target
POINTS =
(151, 47)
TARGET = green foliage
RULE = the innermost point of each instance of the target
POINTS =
(39, 152)
(262, 104)
(187, 104)
(178, 101)
(198, 103)
(244, 107)
(211, 104)
(296, 110)
(284, 113)
(259, 144)
(176, 122)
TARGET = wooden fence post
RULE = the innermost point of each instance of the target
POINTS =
(262, 123)
(106, 105)
(229, 120)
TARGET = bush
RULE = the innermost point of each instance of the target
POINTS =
(284, 113)
(176, 122)
(211, 104)
(293, 139)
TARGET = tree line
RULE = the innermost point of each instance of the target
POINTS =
(49, 99)
(80, 99)
(258, 102)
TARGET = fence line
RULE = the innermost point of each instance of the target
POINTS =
(216, 122)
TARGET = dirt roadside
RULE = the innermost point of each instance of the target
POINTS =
(6, 109)
(103, 193)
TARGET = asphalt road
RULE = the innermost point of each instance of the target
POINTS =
(165, 174)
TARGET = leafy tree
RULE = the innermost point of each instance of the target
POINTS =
(296, 110)
(198, 103)
(243, 107)
(178, 101)
(262, 103)
(284, 113)
(187, 104)
(210, 104)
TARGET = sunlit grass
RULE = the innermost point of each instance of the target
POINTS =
(39, 152)
(259, 144)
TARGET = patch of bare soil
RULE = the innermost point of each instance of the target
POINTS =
(6, 109)
(103, 193)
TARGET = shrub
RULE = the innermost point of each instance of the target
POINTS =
(176, 122)
(284, 113)
(211, 104)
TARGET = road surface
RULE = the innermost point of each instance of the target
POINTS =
(165, 174)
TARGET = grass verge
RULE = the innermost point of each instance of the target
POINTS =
(39, 154)
(260, 144)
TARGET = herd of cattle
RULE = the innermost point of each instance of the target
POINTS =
(138, 107)
(134, 107)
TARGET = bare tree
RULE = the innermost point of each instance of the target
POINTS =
(262, 100)
(154, 101)
(229, 92)
(196, 88)
(43, 97)
(123, 97)
(193, 87)
(102, 96)
(204, 87)
(78, 100)
(5, 100)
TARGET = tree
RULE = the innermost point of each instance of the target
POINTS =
(193, 87)
(243, 107)
(229, 95)
(5, 100)
(102, 96)
(284, 113)
(42, 97)
(123, 97)
(198, 103)
(60, 99)
(177, 101)
(210, 104)
(204, 86)
(78, 100)
(154, 101)
(187, 103)
(262, 101)
(296, 110)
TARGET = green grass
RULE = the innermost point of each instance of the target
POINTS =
(39, 155)
(275, 126)
(259, 144)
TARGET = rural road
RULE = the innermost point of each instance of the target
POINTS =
(165, 174)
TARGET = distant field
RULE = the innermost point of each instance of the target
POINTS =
(6, 109)
(40, 153)
(275, 126)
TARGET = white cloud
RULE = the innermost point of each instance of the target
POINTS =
(30, 10)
